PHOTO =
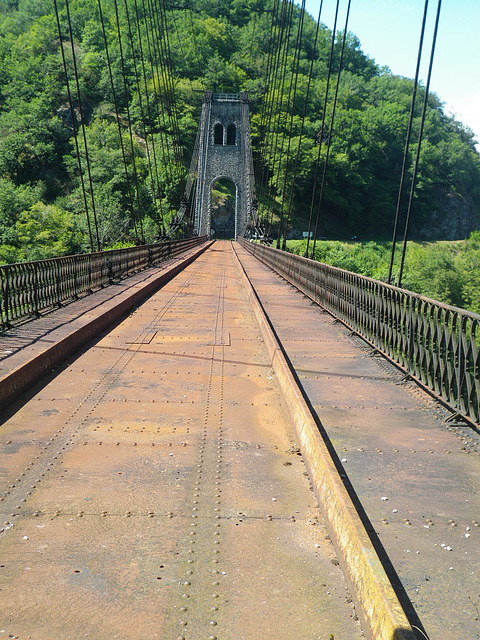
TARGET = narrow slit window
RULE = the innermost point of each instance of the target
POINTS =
(218, 134)
(231, 135)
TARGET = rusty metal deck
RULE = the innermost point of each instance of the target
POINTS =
(416, 476)
(153, 488)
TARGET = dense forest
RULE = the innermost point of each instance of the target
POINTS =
(151, 100)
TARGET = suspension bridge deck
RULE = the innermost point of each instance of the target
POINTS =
(153, 486)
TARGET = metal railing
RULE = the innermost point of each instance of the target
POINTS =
(226, 96)
(27, 288)
(437, 344)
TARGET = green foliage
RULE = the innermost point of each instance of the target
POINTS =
(14, 200)
(468, 262)
(45, 231)
(431, 271)
(219, 45)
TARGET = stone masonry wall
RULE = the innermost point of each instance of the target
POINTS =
(222, 161)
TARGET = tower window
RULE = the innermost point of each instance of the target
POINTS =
(218, 134)
(231, 135)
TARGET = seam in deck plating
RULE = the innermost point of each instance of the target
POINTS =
(15, 497)
(199, 615)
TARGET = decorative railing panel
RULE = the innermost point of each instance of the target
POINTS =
(435, 343)
(27, 288)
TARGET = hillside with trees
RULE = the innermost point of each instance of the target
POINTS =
(219, 45)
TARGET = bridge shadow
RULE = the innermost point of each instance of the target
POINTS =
(16, 405)
(32, 330)
(390, 570)
(10, 410)
(334, 374)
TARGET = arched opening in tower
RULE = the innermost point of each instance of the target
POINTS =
(223, 209)
(231, 135)
(218, 134)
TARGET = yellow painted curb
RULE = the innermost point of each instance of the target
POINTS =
(381, 612)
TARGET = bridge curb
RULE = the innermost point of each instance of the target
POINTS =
(377, 603)
(23, 376)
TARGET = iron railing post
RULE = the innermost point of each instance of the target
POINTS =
(5, 297)
(89, 267)
(75, 289)
(57, 283)
(460, 366)
(35, 290)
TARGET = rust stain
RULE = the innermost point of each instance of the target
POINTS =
(160, 491)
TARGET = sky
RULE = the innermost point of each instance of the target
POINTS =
(389, 32)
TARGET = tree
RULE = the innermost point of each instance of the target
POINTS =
(45, 231)
(221, 46)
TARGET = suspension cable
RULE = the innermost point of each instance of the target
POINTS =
(142, 114)
(162, 92)
(259, 159)
(407, 142)
(127, 108)
(331, 129)
(305, 107)
(82, 117)
(276, 129)
(272, 97)
(150, 119)
(268, 73)
(419, 143)
(277, 104)
(117, 116)
(158, 95)
(193, 165)
(320, 141)
(164, 55)
(179, 157)
(74, 124)
(164, 49)
(291, 100)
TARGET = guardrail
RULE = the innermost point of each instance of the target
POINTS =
(437, 344)
(226, 96)
(27, 288)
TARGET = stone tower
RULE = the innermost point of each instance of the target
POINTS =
(224, 152)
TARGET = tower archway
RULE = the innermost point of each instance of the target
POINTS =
(224, 154)
(223, 208)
